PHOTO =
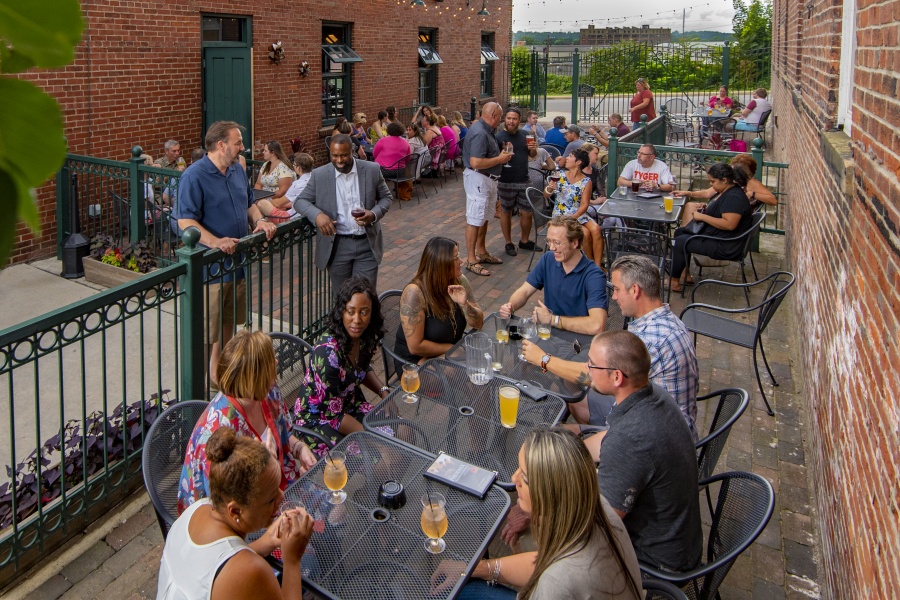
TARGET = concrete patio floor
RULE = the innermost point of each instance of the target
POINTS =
(119, 558)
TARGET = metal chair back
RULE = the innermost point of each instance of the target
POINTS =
(614, 317)
(662, 590)
(554, 150)
(746, 240)
(390, 312)
(744, 506)
(405, 169)
(732, 404)
(540, 214)
(163, 457)
(623, 241)
(290, 365)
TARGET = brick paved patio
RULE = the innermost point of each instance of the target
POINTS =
(781, 564)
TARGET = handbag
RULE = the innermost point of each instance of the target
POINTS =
(694, 227)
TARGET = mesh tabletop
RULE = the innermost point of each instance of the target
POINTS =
(629, 195)
(460, 418)
(355, 553)
(561, 345)
(643, 210)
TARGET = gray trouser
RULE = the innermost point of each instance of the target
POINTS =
(351, 257)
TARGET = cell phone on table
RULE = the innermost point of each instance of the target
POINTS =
(531, 390)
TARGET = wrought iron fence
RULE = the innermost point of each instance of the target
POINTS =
(82, 385)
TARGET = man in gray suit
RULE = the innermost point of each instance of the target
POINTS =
(346, 245)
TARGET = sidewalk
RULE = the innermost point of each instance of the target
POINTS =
(119, 558)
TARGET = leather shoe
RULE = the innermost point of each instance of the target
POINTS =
(511, 249)
(529, 245)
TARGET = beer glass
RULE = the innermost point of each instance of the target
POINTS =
(508, 397)
(434, 521)
(335, 476)
(410, 382)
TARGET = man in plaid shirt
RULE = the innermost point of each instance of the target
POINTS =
(636, 287)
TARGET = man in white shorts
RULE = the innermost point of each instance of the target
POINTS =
(483, 161)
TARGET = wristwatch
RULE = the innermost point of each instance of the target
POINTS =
(544, 360)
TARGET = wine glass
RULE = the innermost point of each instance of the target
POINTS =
(335, 476)
(410, 383)
(434, 521)
(508, 149)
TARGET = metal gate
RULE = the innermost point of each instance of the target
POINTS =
(527, 77)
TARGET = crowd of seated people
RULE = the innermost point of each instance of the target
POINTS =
(593, 507)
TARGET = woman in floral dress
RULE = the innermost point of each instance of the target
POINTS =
(573, 195)
(250, 403)
(276, 175)
(332, 402)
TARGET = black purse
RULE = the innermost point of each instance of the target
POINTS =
(694, 227)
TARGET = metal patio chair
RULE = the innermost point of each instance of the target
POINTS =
(390, 312)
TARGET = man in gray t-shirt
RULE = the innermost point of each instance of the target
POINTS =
(648, 465)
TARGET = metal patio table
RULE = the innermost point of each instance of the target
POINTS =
(629, 195)
(462, 419)
(643, 210)
(360, 550)
(561, 345)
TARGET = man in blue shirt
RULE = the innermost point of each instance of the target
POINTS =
(574, 287)
(556, 135)
(214, 196)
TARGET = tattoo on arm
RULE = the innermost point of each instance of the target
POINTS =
(411, 310)
(583, 379)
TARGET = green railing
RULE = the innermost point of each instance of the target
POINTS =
(81, 386)
(689, 167)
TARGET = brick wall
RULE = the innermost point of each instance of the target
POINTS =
(845, 248)
(136, 78)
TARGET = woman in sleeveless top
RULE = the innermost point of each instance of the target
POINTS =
(437, 305)
(434, 139)
(206, 555)
(573, 195)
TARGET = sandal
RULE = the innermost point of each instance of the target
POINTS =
(488, 259)
(477, 269)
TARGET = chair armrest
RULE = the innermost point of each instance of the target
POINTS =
(699, 305)
(314, 434)
(747, 285)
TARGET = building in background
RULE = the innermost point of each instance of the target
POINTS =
(146, 72)
(610, 36)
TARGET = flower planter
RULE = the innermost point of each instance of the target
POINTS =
(108, 275)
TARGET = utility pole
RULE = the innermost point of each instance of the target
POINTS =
(683, 11)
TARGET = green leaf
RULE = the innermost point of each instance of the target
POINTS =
(13, 62)
(32, 144)
(10, 193)
(44, 32)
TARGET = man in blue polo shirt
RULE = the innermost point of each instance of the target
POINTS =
(214, 196)
(574, 287)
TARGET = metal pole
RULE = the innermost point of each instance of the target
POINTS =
(726, 60)
(135, 197)
(576, 67)
(193, 301)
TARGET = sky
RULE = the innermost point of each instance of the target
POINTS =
(545, 15)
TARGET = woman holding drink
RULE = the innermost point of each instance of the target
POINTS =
(583, 548)
(573, 191)
(206, 555)
(437, 306)
(332, 401)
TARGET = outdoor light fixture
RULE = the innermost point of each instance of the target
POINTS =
(483, 12)
(417, 3)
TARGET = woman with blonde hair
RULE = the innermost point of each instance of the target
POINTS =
(583, 549)
(458, 124)
(250, 403)
(276, 175)
(206, 555)
(434, 139)
(437, 305)
(642, 103)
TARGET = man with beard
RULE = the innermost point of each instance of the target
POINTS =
(215, 197)
(346, 245)
(513, 183)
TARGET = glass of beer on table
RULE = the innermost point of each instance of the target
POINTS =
(509, 405)
(335, 476)
(434, 521)
(410, 382)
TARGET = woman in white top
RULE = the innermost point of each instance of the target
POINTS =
(303, 166)
(417, 146)
(752, 114)
(276, 175)
(584, 551)
(205, 554)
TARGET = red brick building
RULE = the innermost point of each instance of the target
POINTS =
(146, 72)
(837, 122)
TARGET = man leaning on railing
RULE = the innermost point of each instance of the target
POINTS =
(212, 196)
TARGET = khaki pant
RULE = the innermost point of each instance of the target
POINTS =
(226, 307)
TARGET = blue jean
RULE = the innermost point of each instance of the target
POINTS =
(477, 589)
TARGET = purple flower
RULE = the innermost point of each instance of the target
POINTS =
(333, 360)
(335, 405)
(365, 407)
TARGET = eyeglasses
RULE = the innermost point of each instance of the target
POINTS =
(645, 154)
(556, 243)
(591, 366)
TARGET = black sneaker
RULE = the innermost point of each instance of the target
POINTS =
(529, 245)
(511, 249)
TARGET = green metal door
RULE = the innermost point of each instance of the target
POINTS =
(227, 88)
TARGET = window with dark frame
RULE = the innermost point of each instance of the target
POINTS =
(337, 60)
(488, 56)
(223, 29)
(428, 61)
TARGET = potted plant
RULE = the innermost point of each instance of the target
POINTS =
(113, 263)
